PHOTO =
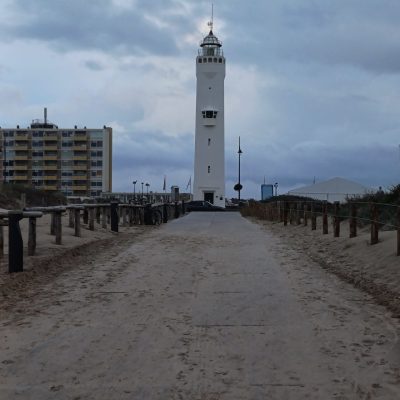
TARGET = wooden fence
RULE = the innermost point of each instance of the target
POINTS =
(107, 216)
(376, 215)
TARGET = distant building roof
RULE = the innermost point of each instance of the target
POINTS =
(335, 189)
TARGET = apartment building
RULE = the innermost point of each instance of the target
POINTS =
(77, 162)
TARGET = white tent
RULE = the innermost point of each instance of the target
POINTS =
(336, 189)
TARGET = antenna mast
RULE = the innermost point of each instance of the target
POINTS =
(211, 23)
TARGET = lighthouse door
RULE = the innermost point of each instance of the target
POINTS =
(209, 196)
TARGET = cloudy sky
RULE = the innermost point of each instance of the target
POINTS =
(312, 86)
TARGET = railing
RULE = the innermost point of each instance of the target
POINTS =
(107, 215)
(356, 213)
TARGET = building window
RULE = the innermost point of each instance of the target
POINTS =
(209, 169)
(200, 60)
(204, 59)
(220, 60)
(209, 113)
(209, 59)
(215, 59)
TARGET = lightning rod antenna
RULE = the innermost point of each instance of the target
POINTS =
(211, 23)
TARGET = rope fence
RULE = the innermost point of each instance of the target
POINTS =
(358, 214)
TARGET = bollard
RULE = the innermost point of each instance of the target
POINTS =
(91, 215)
(325, 218)
(165, 213)
(32, 236)
(71, 217)
(15, 243)
(114, 216)
(58, 226)
(148, 220)
(313, 218)
(353, 220)
(374, 224)
(336, 220)
(77, 213)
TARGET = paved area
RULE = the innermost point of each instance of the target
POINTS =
(209, 306)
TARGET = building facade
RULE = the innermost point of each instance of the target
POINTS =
(76, 162)
(209, 164)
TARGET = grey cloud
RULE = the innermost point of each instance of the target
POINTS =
(94, 65)
(96, 24)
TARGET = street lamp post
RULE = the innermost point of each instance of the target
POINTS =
(134, 190)
(142, 191)
(239, 186)
(276, 188)
(147, 186)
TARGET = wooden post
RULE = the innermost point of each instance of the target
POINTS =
(109, 215)
(313, 217)
(91, 213)
(32, 236)
(124, 219)
(298, 213)
(71, 217)
(98, 213)
(58, 226)
(104, 217)
(131, 219)
(398, 231)
(1, 239)
(114, 217)
(305, 218)
(77, 213)
(15, 243)
(285, 212)
(85, 216)
(353, 220)
(325, 218)
(52, 223)
(336, 220)
(374, 224)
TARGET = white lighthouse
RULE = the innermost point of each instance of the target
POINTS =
(209, 160)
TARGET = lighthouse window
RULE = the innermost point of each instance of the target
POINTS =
(215, 59)
(220, 60)
(209, 113)
(204, 59)
(209, 141)
(200, 60)
(209, 59)
(209, 169)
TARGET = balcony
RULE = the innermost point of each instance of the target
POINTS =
(50, 187)
(21, 157)
(79, 167)
(51, 147)
(21, 137)
(50, 167)
(80, 158)
(50, 138)
(79, 147)
(19, 177)
(79, 188)
(50, 158)
(21, 147)
(48, 177)
(19, 167)
(79, 177)
(80, 138)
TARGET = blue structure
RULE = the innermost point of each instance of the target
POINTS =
(267, 191)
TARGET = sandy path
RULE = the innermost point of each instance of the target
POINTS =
(209, 306)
